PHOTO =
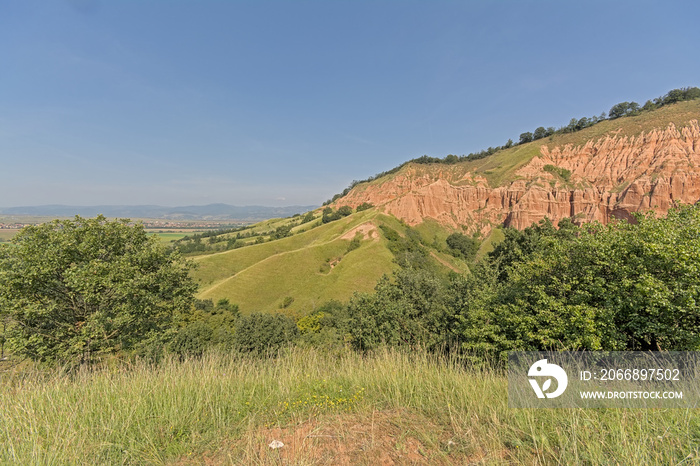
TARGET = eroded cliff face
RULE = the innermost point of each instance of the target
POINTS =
(609, 178)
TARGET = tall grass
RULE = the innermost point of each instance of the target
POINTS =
(182, 411)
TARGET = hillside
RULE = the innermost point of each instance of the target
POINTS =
(314, 264)
(606, 171)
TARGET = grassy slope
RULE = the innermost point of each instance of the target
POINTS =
(388, 408)
(259, 277)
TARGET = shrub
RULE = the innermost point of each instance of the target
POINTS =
(262, 333)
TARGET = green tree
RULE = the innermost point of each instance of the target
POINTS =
(329, 215)
(621, 286)
(525, 138)
(408, 311)
(207, 327)
(77, 289)
(344, 210)
(539, 133)
(463, 246)
(624, 109)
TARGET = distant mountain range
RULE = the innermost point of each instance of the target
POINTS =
(193, 212)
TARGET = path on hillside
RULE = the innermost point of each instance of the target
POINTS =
(445, 263)
(224, 280)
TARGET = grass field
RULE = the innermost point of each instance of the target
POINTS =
(167, 237)
(387, 408)
(7, 234)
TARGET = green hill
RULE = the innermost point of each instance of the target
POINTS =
(315, 264)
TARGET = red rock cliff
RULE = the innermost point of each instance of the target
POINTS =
(611, 177)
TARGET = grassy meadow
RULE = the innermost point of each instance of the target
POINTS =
(387, 408)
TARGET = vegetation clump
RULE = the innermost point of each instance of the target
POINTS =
(461, 245)
(76, 290)
(562, 173)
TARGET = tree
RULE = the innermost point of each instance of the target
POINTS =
(525, 138)
(624, 109)
(463, 246)
(539, 133)
(620, 286)
(78, 289)
(344, 210)
(618, 110)
(406, 311)
(329, 215)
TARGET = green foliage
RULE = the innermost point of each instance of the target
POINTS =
(525, 137)
(615, 287)
(408, 250)
(461, 245)
(344, 210)
(216, 240)
(326, 327)
(329, 215)
(563, 173)
(264, 333)
(207, 327)
(409, 311)
(364, 206)
(282, 231)
(354, 243)
(82, 288)
(624, 109)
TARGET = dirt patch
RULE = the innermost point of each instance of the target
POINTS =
(393, 437)
(368, 230)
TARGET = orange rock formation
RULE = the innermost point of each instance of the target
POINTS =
(610, 178)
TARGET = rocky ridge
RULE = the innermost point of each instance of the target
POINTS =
(600, 180)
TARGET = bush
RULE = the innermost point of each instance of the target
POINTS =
(264, 333)
(354, 244)
(344, 210)
(463, 246)
(329, 215)
(78, 289)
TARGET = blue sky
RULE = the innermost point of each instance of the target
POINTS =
(286, 102)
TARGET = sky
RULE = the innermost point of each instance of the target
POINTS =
(286, 102)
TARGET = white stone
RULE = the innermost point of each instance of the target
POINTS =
(275, 444)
